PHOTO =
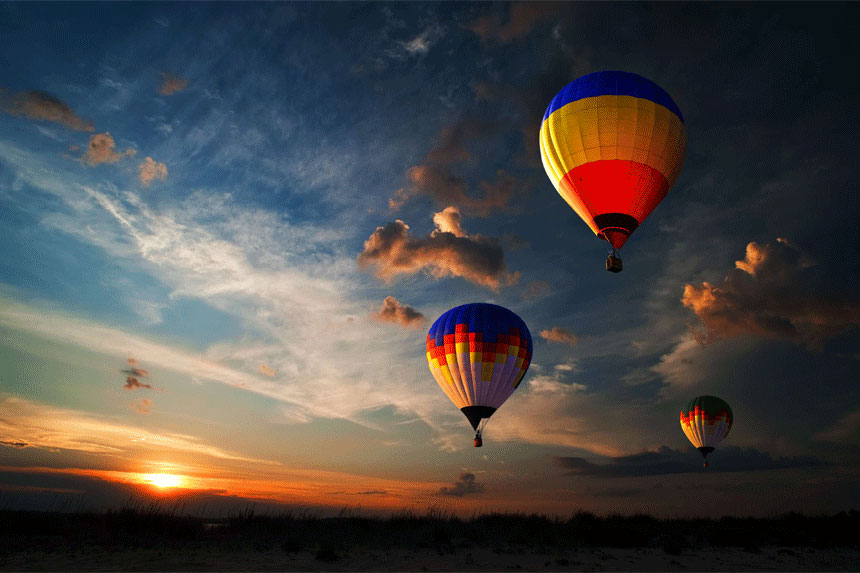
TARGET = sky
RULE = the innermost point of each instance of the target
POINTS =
(226, 229)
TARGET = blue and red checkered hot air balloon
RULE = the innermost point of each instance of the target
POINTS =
(479, 353)
(613, 143)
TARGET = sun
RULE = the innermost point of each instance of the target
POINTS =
(163, 480)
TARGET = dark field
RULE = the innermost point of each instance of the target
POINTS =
(157, 539)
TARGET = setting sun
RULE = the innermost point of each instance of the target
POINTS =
(163, 480)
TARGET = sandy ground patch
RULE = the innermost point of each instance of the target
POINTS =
(472, 559)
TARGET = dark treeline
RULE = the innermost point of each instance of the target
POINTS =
(148, 527)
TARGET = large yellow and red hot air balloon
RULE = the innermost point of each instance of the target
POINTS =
(613, 143)
(478, 353)
(706, 420)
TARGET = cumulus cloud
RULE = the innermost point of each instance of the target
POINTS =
(171, 84)
(478, 259)
(44, 107)
(668, 461)
(464, 486)
(561, 335)
(102, 150)
(775, 292)
(392, 310)
(266, 370)
(522, 18)
(435, 176)
(150, 170)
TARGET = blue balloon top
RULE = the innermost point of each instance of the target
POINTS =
(488, 319)
(613, 83)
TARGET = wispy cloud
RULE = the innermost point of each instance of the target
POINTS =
(420, 44)
(43, 106)
(289, 289)
(392, 310)
(448, 251)
(54, 428)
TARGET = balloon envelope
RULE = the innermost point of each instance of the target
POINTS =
(479, 353)
(706, 420)
(613, 143)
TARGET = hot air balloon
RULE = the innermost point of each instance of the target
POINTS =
(706, 420)
(479, 353)
(613, 143)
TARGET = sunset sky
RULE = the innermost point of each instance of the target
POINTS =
(190, 195)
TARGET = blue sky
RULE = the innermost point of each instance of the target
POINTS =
(191, 186)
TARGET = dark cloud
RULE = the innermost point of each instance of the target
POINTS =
(561, 335)
(464, 486)
(392, 310)
(14, 444)
(448, 251)
(775, 292)
(134, 370)
(522, 18)
(668, 461)
(436, 178)
(45, 107)
(101, 149)
(132, 383)
(171, 84)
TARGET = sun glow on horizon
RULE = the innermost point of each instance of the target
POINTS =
(163, 481)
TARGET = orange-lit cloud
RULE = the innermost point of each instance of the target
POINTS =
(44, 107)
(392, 310)
(150, 170)
(143, 406)
(132, 383)
(101, 150)
(444, 253)
(171, 84)
(266, 370)
(14, 444)
(522, 18)
(773, 293)
(561, 335)
(54, 428)
(435, 176)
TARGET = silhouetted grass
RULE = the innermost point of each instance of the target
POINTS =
(329, 537)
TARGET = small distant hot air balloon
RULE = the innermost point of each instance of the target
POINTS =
(613, 143)
(479, 353)
(706, 420)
